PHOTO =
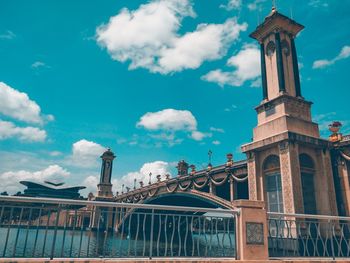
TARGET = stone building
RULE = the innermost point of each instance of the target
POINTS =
(289, 165)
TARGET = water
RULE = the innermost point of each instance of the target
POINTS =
(46, 243)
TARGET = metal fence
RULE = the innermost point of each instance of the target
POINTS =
(55, 228)
(297, 235)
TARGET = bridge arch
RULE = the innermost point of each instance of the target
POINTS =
(191, 198)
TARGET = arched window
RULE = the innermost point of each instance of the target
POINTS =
(307, 172)
(272, 174)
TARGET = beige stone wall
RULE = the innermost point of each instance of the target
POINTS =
(271, 72)
(285, 123)
(343, 171)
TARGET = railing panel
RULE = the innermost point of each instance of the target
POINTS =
(90, 229)
(308, 236)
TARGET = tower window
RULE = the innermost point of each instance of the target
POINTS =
(307, 171)
(270, 48)
(285, 47)
(273, 185)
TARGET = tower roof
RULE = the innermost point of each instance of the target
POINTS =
(108, 153)
(276, 21)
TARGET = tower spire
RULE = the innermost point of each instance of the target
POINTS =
(274, 8)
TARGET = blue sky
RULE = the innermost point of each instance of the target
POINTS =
(157, 81)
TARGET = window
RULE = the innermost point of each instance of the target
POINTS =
(273, 184)
(307, 171)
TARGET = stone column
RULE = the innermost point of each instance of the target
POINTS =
(327, 168)
(343, 172)
(232, 194)
(251, 230)
(291, 179)
(252, 176)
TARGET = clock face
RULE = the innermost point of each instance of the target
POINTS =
(270, 48)
(285, 47)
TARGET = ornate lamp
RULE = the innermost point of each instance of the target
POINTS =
(229, 161)
(167, 176)
(141, 184)
(334, 127)
(209, 167)
(158, 178)
(150, 178)
(193, 169)
(122, 188)
(134, 183)
(127, 189)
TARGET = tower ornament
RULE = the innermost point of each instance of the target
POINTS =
(334, 127)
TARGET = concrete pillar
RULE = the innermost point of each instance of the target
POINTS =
(343, 171)
(232, 194)
(252, 176)
(291, 179)
(251, 230)
(212, 188)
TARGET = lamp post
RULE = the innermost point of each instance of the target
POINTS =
(134, 183)
(150, 178)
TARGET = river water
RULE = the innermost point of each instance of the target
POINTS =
(45, 242)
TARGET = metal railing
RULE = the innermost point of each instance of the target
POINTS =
(56, 228)
(301, 235)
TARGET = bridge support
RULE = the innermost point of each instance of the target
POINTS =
(251, 230)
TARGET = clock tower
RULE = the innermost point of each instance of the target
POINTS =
(105, 185)
(289, 165)
(282, 108)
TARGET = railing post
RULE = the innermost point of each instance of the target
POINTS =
(331, 228)
(251, 230)
(55, 233)
(151, 235)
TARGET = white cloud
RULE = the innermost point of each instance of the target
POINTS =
(233, 107)
(148, 37)
(198, 136)
(168, 119)
(18, 105)
(322, 63)
(213, 129)
(27, 134)
(232, 4)
(172, 120)
(216, 142)
(247, 67)
(318, 3)
(255, 4)
(90, 182)
(55, 153)
(157, 167)
(10, 180)
(8, 35)
(86, 153)
(39, 64)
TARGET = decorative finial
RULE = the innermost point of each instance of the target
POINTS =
(134, 183)
(150, 178)
(210, 153)
(193, 169)
(334, 127)
(229, 161)
(274, 5)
